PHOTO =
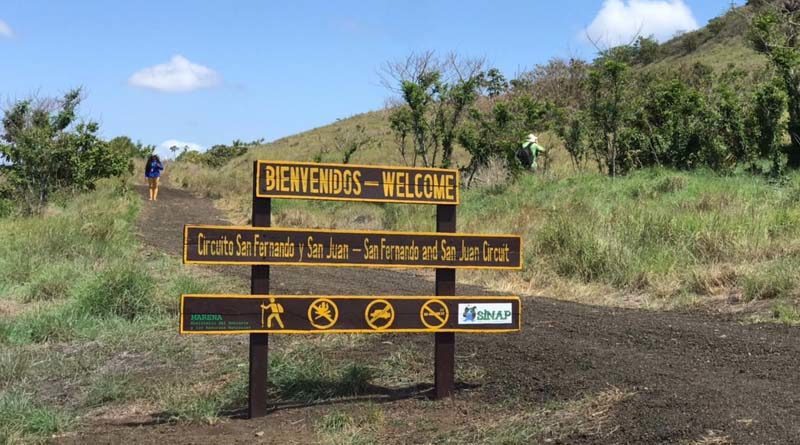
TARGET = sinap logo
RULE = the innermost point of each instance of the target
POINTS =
(485, 313)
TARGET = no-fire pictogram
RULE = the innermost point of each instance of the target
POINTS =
(323, 313)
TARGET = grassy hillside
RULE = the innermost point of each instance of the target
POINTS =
(89, 341)
(722, 42)
(655, 238)
(86, 317)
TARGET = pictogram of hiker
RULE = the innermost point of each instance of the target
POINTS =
(276, 310)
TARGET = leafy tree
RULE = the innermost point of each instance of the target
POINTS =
(191, 156)
(608, 81)
(573, 131)
(493, 82)
(770, 103)
(216, 156)
(775, 34)
(498, 133)
(219, 155)
(436, 96)
(348, 142)
(559, 82)
(647, 50)
(123, 146)
(48, 149)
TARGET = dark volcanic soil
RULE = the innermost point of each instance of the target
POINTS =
(692, 374)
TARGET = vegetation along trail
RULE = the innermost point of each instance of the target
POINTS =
(575, 374)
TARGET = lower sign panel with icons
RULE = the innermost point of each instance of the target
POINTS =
(296, 314)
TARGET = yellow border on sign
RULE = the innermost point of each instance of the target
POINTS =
(336, 198)
(360, 232)
(355, 331)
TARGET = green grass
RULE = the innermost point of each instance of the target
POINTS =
(123, 289)
(14, 366)
(21, 419)
(302, 373)
(677, 237)
(554, 422)
(185, 403)
(786, 314)
(111, 388)
(340, 428)
(92, 316)
(772, 281)
(669, 234)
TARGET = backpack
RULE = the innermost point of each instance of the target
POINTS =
(150, 167)
(525, 155)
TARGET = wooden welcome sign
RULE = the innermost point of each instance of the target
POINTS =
(348, 182)
(261, 246)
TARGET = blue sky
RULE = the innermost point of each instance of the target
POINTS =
(209, 72)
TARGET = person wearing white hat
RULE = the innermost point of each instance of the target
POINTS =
(529, 152)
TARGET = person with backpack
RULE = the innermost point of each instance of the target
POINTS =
(529, 151)
(152, 171)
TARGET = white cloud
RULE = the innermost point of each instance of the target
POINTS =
(164, 151)
(5, 30)
(619, 21)
(176, 76)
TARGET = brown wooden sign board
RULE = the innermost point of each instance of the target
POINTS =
(348, 182)
(318, 247)
(294, 314)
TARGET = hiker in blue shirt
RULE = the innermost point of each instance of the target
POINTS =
(152, 171)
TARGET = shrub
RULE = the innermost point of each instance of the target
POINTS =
(123, 290)
(49, 150)
(22, 420)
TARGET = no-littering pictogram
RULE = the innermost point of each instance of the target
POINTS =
(434, 314)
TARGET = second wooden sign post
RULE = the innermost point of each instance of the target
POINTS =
(444, 355)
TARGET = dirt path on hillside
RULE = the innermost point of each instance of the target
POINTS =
(693, 377)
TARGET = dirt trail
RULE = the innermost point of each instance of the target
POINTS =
(692, 375)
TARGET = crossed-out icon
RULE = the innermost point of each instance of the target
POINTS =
(434, 314)
(323, 313)
(379, 314)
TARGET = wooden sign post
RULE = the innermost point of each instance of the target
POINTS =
(259, 343)
(260, 246)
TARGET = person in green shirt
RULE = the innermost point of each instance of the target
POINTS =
(529, 152)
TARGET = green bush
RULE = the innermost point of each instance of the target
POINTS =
(182, 403)
(6, 207)
(110, 388)
(49, 150)
(51, 281)
(775, 281)
(307, 376)
(123, 290)
(45, 325)
(22, 420)
(14, 365)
